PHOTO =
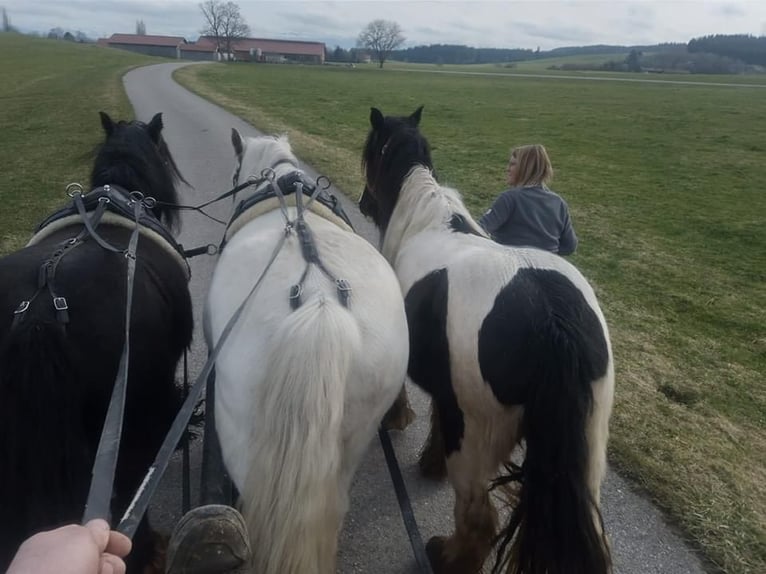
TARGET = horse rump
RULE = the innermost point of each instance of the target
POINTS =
(556, 526)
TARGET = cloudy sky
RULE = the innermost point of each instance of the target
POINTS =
(501, 24)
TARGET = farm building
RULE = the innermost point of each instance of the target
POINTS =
(205, 48)
(165, 46)
(264, 50)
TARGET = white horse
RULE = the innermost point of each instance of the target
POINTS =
(309, 369)
(511, 344)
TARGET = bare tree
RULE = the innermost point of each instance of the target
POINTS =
(224, 23)
(381, 37)
(7, 27)
(140, 28)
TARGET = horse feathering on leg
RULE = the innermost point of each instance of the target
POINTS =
(57, 367)
(300, 389)
(511, 344)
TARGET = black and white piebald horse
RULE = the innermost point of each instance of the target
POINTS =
(311, 365)
(511, 344)
(62, 326)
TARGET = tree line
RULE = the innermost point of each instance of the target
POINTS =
(748, 49)
(714, 54)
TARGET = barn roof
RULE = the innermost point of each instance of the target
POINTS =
(145, 40)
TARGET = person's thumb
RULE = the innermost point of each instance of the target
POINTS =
(99, 530)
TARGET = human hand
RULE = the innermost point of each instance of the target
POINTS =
(89, 549)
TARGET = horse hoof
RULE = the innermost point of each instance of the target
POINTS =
(432, 467)
(209, 539)
(398, 418)
(435, 553)
(436, 550)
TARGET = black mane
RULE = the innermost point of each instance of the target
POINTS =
(135, 157)
(394, 146)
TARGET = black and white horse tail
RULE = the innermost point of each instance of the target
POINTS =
(41, 422)
(557, 527)
(293, 502)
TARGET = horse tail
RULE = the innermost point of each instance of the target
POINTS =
(43, 453)
(556, 526)
(292, 501)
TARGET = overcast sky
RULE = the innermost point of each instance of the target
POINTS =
(507, 24)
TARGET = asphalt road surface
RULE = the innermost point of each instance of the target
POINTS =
(374, 539)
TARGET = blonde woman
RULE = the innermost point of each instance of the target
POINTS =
(529, 214)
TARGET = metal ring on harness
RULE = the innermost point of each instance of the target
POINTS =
(74, 189)
(135, 196)
(323, 182)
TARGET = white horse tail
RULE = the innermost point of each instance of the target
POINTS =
(291, 500)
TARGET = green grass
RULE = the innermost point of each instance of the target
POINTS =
(541, 67)
(50, 95)
(665, 187)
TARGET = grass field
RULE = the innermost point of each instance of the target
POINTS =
(541, 67)
(50, 95)
(665, 187)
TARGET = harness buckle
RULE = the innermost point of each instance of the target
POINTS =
(60, 304)
(295, 296)
(22, 308)
(344, 291)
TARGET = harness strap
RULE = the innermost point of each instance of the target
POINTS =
(410, 524)
(309, 249)
(92, 223)
(100, 494)
(140, 502)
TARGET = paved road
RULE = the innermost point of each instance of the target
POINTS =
(373, 540)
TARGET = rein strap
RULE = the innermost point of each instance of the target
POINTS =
(102, 482)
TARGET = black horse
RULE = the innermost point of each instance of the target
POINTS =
(62, 325)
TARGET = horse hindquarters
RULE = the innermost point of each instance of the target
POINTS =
(44, 455)
(291, 497)
(564, 377)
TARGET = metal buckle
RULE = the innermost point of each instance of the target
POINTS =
(295, 296)
(344, 291)
(60, 304)
(23, 306)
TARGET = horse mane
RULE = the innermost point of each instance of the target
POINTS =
(129, 158)
(268, 150)
(424, 204)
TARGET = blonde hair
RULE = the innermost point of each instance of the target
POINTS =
(533, 165)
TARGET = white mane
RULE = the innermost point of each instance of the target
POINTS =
(423, 204)
(264, 151)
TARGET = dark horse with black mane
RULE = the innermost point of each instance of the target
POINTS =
(511, 344)
(62, 325)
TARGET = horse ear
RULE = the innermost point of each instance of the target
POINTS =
(415, 117)
(376, 119)
(236, 141)
(155, 127)
(106, 123)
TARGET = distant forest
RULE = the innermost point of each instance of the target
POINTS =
(714, 54)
